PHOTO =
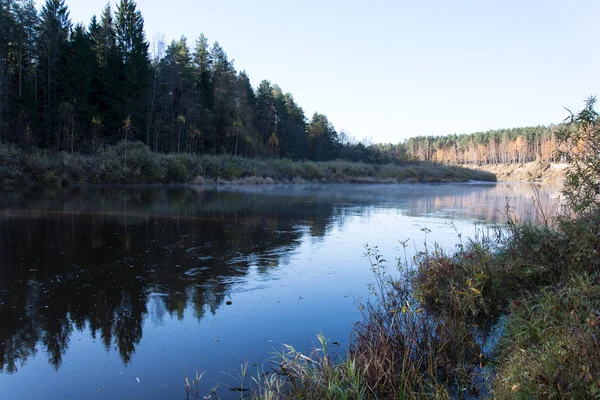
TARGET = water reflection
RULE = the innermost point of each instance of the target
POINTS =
(75, 261)
(102, 260)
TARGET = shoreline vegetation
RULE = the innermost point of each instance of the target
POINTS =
(134, 163)
(512, 313)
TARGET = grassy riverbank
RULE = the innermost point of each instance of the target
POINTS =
(545, 282)
(514, 314)
(134, 163)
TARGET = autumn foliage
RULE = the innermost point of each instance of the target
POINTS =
(504, 146)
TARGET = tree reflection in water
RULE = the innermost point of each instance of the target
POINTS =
(104, 259)
(95, 258)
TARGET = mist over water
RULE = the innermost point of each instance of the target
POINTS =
(116, 292)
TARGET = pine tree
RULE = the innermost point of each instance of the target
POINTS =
(26, 115)
(297, 146)
(203, 67)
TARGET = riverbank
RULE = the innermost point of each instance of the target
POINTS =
(510, 315)
(134, 163)
(550, 173)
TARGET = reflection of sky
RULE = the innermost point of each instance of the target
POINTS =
(310, 287)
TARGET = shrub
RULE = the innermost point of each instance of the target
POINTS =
(550, 348)
(180, 168)
(231, 172)
(466, 284)
(580, 142)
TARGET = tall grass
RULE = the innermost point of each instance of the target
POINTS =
(134, 163)
(399, 350)
(405, 350)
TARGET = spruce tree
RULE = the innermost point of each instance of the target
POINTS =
(80, 67)
(55, 26)
(203, 91)
(247, 139)
(179, 78)
(224, 81)
(133, 52)
(265, 112)
(107, 77)
(7, 24)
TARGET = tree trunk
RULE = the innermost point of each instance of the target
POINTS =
(72, 130)
(179, 139)
(20, 69)
(236, 143)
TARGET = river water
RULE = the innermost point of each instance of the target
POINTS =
(117, 292)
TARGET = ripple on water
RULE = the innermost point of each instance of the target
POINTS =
(196, 271)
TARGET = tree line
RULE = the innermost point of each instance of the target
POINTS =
(501, 146)
(77, 88)
(74, 88)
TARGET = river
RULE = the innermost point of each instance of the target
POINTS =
(117, 292)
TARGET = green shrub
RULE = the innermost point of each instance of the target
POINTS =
(212, 166)
(311, 171)
(550, 348)
(231, 172)
(179, 168)
(469, 283)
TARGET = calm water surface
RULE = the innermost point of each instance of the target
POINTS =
(102, 287)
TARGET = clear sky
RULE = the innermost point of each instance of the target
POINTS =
(388, 70)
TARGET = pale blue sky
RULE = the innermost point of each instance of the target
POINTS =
(393, 69)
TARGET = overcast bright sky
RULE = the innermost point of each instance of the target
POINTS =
(393, 69)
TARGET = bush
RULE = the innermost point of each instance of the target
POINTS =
(179, 168)
(550, 348)
(483, 277)
(580, 143)
(470, 283)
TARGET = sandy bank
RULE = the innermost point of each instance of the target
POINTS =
(539, 172)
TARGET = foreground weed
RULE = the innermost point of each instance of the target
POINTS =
(193, 391)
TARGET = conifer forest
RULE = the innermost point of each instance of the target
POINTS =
(76, 88)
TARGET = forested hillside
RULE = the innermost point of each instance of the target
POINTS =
(77, 88)
(74, 88)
